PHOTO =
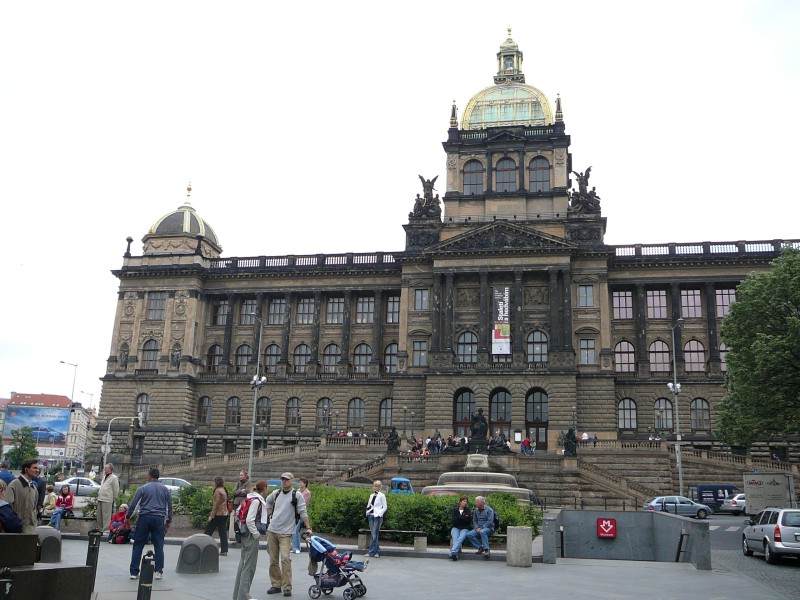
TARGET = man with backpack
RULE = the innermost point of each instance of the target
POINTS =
(483, 523)
(285, 507)
(251, 517)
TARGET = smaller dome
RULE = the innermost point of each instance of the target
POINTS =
(184, 220)
(507, 104)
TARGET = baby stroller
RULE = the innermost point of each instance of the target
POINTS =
(335, 570)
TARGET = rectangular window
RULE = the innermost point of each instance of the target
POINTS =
(623, 305)
(585, 295)
(587, 352)
(690, 304)
(421, 300)
(365, 310)
(724, 300)
(393, 309)
(305, 311)
(156, 303)
(656, 304)
(247, 315)
(277, 310)
(419, 353)
(334, 313)
(222, 309)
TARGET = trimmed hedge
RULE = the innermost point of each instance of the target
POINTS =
(341, 511)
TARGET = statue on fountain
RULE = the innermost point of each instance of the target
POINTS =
(393, 442)
(478, 431)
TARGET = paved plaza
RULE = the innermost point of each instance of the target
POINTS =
(398, 573)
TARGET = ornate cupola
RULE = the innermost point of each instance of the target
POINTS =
(509, 62)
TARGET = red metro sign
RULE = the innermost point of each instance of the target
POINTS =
(607, 528)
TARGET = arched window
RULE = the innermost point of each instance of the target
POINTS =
(659, 357)
(324, 414)
(500, 413)
(385, 414)
(362, 355)
(331, 356)
(390, 359)
(694, 353)
(473, 178)
(150, 355)
(300, 358)
(662, 415)
(536, 417)
(204, 411)
(463, 407)
(536, 346)
(506, 175)
(143, 406)
(233, 411)
(243, 354)
(263, 411)
(624, 358)
(626, 414)
(272, 355)
(213, 358)
(700, 414)
(294, 411)
(355, 414)
(539, 175)
(723, 357)
(467, 348)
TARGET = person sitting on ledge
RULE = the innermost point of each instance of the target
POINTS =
(483, 526)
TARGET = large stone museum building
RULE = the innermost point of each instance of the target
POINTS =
(505, 298)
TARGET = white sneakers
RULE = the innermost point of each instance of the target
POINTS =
(159, 575)
(296, 551)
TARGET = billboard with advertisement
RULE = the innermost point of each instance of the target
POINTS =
(49, 426)
(501, 330)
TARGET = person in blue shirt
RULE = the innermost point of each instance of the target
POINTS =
(154, 501)
(483, 526)
(5, 474)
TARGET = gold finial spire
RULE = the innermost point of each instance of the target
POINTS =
(509, 31)
(559, 114)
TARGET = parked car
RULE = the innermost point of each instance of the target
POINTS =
(774, 532)
(735, 503)
(46, 434)
(80, 486)
(174, 484)
(678, 505)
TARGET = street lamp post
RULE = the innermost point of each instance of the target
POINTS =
(404, 421)
(194, 443)
(91, 396)
(74, 375)
(263, 431)
(258, 381)
(675, 388)
(107, 438)
(412, 424)
(336, 412)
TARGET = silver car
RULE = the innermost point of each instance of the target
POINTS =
(678, 505)
(735, 503)
(774, 532)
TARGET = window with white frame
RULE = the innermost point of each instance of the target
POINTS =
(365, 309)
(656, 304)
(585, 295)
(690, 304)
(622, 304)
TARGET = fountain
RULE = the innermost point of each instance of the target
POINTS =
(476, 480)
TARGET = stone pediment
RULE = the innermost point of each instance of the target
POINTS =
(506, 135)
(502, 236)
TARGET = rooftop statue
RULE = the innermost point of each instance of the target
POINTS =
(584, 200)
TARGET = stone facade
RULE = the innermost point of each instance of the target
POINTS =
(364, 341)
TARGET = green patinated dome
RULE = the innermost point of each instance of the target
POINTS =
(507, 104)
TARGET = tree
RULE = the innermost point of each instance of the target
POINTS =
(762, 333)
(24, 447)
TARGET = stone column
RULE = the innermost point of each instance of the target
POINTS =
(345, 358)
(675, 293)
(226, 345)
(402, 339)
(377, 325)
(489, 170)
(483, 324)
(258, 323)
(554, 303)
(517, 317)
(567, 283)
(287, 327)
(436, 314)
(521, 187)
(448, 314)
(711, 320)
(315, 329)
(642, 355)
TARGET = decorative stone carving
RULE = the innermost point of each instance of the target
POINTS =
(561, 155)
(150, 334)
(536, 296)
(499, 236)
(129, 309)
(584, 200)
(423, 238)
(467, 297)
(584, 234)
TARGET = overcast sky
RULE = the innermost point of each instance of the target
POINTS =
(303, 127)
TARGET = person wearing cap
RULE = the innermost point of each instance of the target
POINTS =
(284, 506)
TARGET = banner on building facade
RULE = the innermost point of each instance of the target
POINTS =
(501, 331)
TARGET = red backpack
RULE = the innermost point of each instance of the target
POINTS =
(242, 515)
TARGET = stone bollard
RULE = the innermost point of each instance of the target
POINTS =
(50, 542)
(519, 547)
(420, 543)
(199, 554)
(364, 540)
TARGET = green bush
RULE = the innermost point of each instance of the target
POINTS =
(341, 511)
(194, 501)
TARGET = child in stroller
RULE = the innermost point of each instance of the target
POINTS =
(335, 570)
(119, 530)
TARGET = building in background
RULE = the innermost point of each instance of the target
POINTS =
(81, 424)
(3, 404)
(505, 298)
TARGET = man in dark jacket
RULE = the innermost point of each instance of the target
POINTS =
(9, 521)
(483, 523)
